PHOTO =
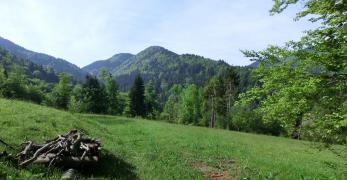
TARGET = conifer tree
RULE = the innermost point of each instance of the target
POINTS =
(94, 96)
(137, 98)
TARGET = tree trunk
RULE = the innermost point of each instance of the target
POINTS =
(297, 127)
(212, 113)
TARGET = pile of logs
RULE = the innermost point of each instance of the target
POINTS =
(70, 149)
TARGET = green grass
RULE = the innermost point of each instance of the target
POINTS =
(137, 148)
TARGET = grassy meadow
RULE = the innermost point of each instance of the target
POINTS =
(143, 149)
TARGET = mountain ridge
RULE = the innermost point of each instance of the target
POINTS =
(160, 65)
(115, 60)
(155, 63)
(57, 64)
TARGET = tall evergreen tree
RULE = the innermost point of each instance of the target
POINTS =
(137, 98)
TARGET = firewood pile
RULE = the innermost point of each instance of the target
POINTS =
(70, 149)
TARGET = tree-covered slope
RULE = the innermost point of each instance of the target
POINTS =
(142, 149)
(58, 65)
(10, 62)
(161, 66)
(108, 64)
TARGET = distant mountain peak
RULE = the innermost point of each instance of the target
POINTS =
(122, 55)
(156, 49)
(160, 65)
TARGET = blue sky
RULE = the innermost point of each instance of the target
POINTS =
(83, 31)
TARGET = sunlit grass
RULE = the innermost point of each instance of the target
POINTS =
(137, 148)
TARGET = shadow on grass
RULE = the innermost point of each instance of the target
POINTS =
(110, 167)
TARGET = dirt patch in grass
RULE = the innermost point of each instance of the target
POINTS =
(224, 170)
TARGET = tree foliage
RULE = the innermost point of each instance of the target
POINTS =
(137, 98)
(190, 105)
(94, 96)
(151, 103)
(303, 84)
(112, 96)
(61, 93)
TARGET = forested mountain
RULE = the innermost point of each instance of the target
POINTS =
(57, 64)
(160, 65)
(10, 63)
(254, 64)
(108, 64)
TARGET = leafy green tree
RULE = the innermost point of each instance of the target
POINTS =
(34, 93)
(150, 100)
(103, 75)
(164, 90)
(76, 103)
(14, 85)
(137, 98)
(2, 78)
(190, 105)
(171, 108)
(112, 96)
(123, 100)
(303, 84)
(61, 93)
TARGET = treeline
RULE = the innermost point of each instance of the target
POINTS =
(101, 96)
(209, 105)
(96, 95)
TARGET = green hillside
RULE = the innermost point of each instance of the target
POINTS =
(8, 61)
(109, 64)
(137, 148)
(160, 65)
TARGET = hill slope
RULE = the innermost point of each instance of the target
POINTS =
(160, 65)
(32, 70)
(58, 65)
(108, 64)
(144, 149)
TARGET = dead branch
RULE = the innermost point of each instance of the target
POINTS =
(70, 148)
(4, 143)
